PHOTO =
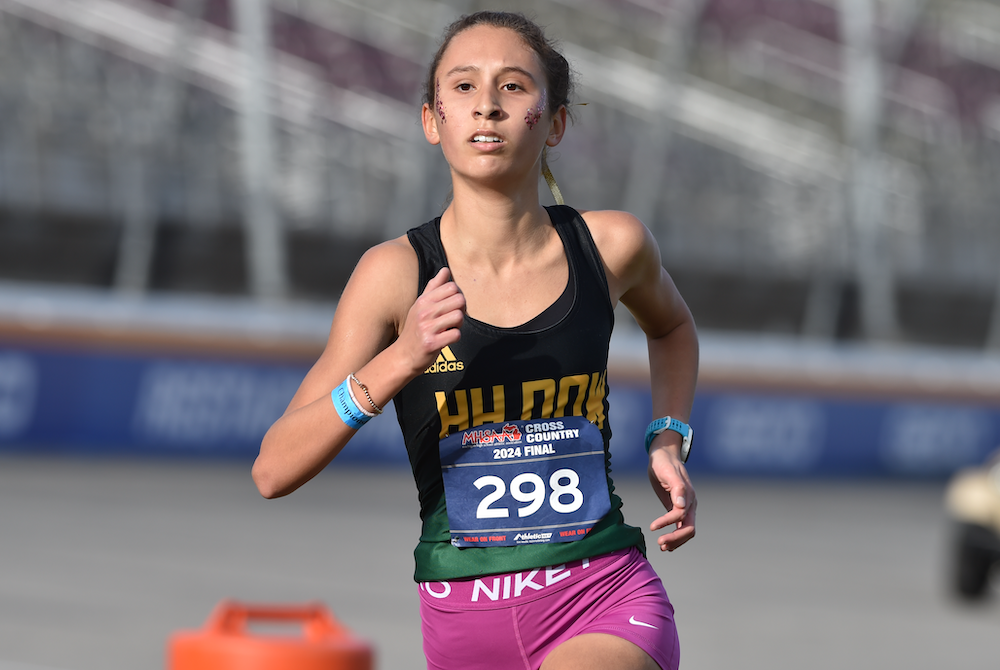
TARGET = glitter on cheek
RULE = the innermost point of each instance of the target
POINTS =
(534, 114)
(438, 105)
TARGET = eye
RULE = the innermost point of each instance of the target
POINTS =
(464, 87)
(510, 87)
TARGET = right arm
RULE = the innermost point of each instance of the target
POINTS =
(382, 332)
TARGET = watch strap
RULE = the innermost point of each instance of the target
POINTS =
(676, 425)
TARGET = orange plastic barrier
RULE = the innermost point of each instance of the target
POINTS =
(226, 643)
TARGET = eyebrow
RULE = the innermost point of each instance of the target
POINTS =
(459, 69)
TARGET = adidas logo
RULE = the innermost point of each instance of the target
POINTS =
(446, 362)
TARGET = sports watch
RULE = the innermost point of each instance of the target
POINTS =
(669, 423)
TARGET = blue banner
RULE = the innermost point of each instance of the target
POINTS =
(101, 403)
(764, 433)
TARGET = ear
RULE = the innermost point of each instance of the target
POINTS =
(429, 121)
(557, 127)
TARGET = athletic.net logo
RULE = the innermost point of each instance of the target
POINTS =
(446, 362)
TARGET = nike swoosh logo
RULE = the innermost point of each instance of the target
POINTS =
(632, 621)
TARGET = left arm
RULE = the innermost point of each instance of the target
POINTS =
(637, 278)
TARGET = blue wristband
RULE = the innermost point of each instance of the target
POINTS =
(670, 423)
(347, 408)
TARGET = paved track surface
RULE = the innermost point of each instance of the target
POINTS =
(103, 560)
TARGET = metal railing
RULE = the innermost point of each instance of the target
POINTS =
(737, 152)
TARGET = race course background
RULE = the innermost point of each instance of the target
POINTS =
(104, 559)
(128, 511)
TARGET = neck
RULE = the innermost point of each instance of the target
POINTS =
(511, 225)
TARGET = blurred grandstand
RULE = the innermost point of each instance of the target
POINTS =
(824, 168)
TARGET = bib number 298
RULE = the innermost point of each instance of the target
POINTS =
(529, 488)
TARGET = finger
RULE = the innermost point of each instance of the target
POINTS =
(454, 302)
(445, 329)
(670, 541)
(670, 487)
(442, 299)
(674, 514)
(439, 325)
(442, 303)
(684, 530)
(677, 514)
(442, 277)
(446, 313)
(442, 291)
(674, 482)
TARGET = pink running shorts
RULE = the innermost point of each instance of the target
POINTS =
(512, 621)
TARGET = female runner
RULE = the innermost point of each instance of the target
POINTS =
(489, 328)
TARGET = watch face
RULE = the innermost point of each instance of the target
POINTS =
(686, 445)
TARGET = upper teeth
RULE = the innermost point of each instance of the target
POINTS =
(485, 138)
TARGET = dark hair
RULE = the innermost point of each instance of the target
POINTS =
(557, 71)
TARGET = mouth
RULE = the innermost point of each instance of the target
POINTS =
(484, 138)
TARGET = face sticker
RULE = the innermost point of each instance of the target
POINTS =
(534, 114)
(438, 105)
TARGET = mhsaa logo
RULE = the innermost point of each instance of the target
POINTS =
(509, 433)
(446, 362)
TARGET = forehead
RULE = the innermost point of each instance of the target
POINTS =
(482, 46)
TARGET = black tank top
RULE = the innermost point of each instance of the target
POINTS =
(553, 366)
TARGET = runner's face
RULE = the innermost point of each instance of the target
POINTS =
(490, 107)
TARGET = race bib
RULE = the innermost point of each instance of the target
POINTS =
(524, 482)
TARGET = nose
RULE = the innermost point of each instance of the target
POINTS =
(487, 105)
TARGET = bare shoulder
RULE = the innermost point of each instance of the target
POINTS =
(392, 257)
(611, 218)
(384, 282)
(618, 235)
(625, 244)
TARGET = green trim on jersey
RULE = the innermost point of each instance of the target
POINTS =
(437, 560)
